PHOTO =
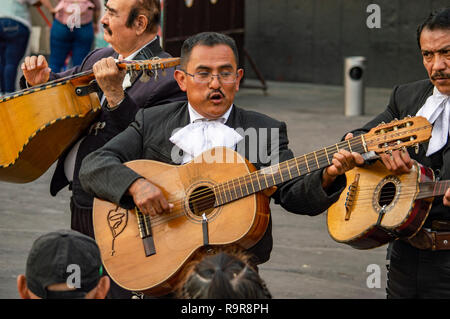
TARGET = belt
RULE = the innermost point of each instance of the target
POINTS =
(436, 238)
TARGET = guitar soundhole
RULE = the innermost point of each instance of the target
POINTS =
(387, 194)
(202, 200)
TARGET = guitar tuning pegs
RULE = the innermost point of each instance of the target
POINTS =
(145, 76)
(416, 148)
(389, 152)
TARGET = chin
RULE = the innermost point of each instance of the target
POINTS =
(444, 89)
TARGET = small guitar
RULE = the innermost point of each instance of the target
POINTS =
(39, 123)
(215, 203)
(379, 207)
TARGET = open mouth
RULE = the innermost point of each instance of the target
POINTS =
(216, 97)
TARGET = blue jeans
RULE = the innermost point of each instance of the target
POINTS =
(63, 41)
(13, 43)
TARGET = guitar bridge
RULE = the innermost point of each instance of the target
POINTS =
(351, 193)
(145, 231)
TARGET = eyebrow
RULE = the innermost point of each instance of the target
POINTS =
(445, 48)
(228, 65)
(110, 9)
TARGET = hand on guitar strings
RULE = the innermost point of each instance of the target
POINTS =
(342, 162)
(110, 78)
(149, 198)
(447, 198)
(35, 70)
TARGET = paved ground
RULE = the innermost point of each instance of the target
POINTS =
(305, 262)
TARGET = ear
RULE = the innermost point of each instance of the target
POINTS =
(180, 77)
(22, 287)
(102, 288)
(240, 74)
(140, 23)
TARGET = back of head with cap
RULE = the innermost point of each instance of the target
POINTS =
(59, 257)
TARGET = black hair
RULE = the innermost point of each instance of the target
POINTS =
(209, 39)
(438, 19)
(223, 275)
(151, 9)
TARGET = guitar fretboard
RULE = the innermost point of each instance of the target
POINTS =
(431, 189)
(283, 172)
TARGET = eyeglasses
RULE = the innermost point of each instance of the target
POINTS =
(206, 77)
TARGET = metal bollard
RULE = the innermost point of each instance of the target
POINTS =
(354, 85)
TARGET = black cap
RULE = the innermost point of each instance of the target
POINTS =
(56, 256)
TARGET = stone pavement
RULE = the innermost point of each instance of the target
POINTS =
(305, 262)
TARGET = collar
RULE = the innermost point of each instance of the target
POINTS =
(195, 116)
(133, 55)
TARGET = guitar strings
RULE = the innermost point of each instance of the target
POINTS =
(199, 197)
(356, 141)
(203, 202)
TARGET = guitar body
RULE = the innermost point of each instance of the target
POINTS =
(358, 218)
(180, 234)
(38, 127)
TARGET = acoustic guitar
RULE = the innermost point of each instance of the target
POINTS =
(218, 200)
(379, 206)
(39, 123)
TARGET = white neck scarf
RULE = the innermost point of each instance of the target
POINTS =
(437, 111)
(202, 135)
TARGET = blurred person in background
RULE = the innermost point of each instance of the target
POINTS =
(15, 30)
(74, 26)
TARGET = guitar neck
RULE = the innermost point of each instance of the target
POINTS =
(277, 174)
(431, 189)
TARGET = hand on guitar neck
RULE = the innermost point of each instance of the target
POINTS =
(149, 198)
(109, 77)
(447, 198)
(36, 70)
(398, 162)
(341, 163)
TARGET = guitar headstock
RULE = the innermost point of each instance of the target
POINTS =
(397, 134)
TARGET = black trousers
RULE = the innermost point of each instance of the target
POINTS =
(415, 273)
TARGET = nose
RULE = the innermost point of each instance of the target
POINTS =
(215, 82)
(439, 63)
(104, 19)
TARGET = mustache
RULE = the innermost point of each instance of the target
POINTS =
(440, 75)
(107, 29)
(214, 92)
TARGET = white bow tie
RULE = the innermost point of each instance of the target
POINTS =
(201, 136)
(437, 110)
